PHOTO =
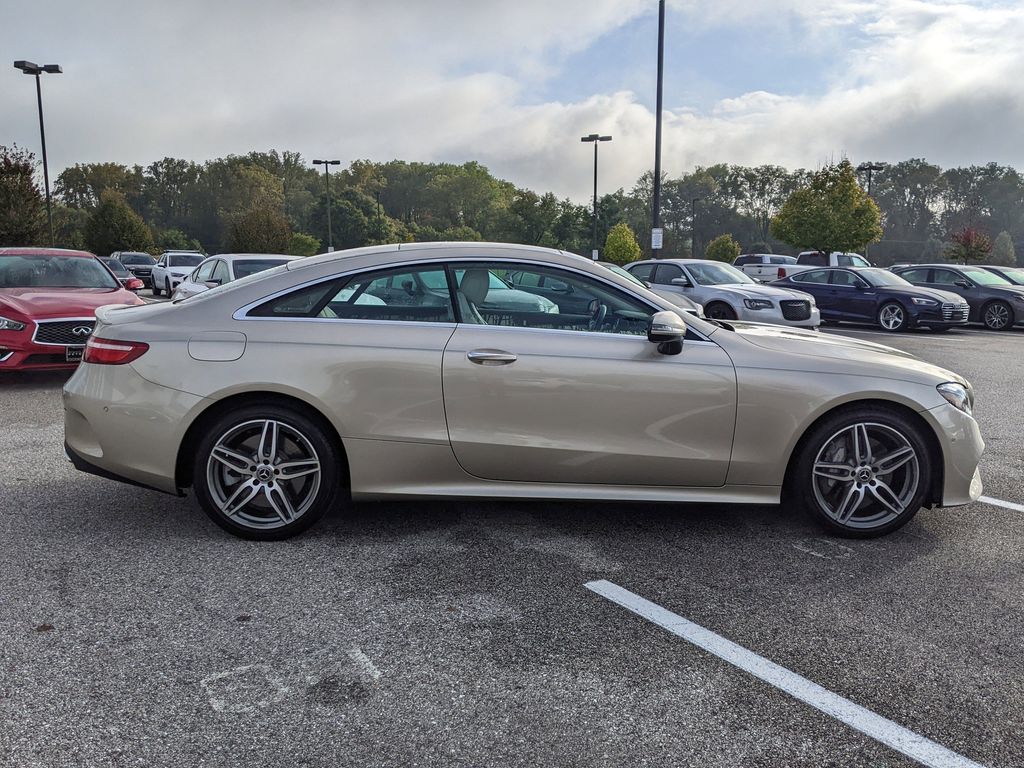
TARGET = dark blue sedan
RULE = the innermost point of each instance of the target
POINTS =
(872, 295)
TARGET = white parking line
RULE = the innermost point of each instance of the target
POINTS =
(1001, 503)
(912, 745)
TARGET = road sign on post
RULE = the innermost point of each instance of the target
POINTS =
(593, 254)
(657, 235)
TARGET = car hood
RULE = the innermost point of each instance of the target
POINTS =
(46, 303)
(180, 270)
(677, 299)
(921, 292)
(872, 358)
(757, 291)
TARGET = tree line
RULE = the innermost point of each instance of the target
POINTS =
(276, 202)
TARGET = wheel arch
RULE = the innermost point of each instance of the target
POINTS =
(216, 409)
(931, 439)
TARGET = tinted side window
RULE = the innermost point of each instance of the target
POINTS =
(667, 273)
(945, 276)
(915, 275)
(812, 276)
(642, 271)
(842, 277)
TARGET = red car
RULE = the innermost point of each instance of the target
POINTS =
(48, 301)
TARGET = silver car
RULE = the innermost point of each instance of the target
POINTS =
(225, 268)
(281, 395)
(726, 293)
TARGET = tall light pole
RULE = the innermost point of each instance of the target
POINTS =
(327, 179)
(596, 139)
(29, 68)
(656, 202)
(693, 226)
(869, 167)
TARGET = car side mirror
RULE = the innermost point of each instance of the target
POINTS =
(212, 282)
(557, 286)
(962, 283)
(667, 330)
(680, 281)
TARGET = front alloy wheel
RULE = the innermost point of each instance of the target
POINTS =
(864, 473)
(266, 473)
(892, 317)
(997, 316)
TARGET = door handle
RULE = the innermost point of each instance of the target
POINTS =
(490, 357)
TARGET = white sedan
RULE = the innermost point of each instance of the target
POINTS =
(225, 268)
(172, 268)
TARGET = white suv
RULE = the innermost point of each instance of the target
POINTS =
(172, 268)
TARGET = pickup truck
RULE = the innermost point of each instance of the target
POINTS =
(763, 267)
(812, 259)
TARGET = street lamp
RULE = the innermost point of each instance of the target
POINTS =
(30, 68)
(869, 167)
(327, 179)
(596, 139)
(656, 231)
(693, 226)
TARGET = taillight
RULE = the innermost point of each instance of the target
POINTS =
(134, 284)
(781, 274)
(110, 352)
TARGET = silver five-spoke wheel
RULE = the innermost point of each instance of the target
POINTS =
(892, 317)
(866, 475)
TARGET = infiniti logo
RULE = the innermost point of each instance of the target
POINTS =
(81, 330)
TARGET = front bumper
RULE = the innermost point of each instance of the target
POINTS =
(775, 317)
(962, 447)
(18, 352)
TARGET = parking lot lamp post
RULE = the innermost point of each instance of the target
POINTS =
(596, 139)
(868, 168)
(29, 68)
(656, 199)
(693, 226)
(327, 179)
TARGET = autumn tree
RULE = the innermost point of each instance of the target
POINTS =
(22, 215)
(114, 226)
(831, 213)
(968, 245)
(723, 248)
(621, 246)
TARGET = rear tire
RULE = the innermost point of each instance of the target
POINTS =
(156, 291)
(856, 491)
(719, 310)
(266, 472)
(997, 316)
(892, 317)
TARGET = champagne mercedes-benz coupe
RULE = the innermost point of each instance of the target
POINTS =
(416, 371)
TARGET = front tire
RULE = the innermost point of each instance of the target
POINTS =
(863, 472)
(997, 316)
(266, 472)
(719, 310)
(892, 317)
(167, 286)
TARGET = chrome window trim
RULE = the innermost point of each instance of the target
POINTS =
(241, 313)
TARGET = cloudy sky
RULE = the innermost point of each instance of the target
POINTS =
(514, 85)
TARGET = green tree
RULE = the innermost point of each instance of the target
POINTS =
(1003, 252)
(303, 245)
(722, 248)
(175, 240)
(832, 213)
(260, 229)
(114, 226)
(968, 245)
(22, 216)
(621, 246)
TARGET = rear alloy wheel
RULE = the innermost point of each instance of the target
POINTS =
(266, 472)
(719, 310)
(997, 316)
(892, 316)
(863, 473)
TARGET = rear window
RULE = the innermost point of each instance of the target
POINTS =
(743, 260)
(184, 260)
(136, 258)
(813, 259)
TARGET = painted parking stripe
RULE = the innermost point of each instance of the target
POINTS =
(912, 745)
(1001, 503)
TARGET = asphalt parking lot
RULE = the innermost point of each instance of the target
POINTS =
(135, 632)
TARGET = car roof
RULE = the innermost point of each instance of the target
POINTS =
(21, 251)
(236, 256)
(417, 251)
(945, 266)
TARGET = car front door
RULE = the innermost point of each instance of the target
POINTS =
(852, 298)
(583, 398)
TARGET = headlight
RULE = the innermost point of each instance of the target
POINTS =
(757, 304)
(958, 396)
(11, 325)
(924, 302)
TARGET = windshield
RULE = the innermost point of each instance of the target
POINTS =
(623, 273)
(717, 274)
(46, 271)
(185, 260)
(136, 258)
(1014, 276)
(982, 277)
(883, 277)
(252, 266)
(117, 267)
